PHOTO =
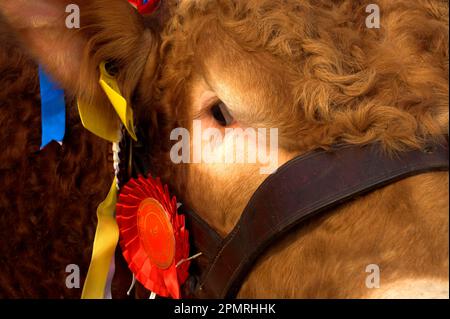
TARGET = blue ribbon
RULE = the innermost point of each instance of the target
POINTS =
(53, 109)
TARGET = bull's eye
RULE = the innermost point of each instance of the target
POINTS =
(221, 114)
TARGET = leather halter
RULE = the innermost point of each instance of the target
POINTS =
(302, 188)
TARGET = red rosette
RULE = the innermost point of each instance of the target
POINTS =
(153, 236)
(145, 6)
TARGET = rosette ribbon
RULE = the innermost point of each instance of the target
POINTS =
(153, 237)
(145, 6)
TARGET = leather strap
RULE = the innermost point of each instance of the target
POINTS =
(302, 188)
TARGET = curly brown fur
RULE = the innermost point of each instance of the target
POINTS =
(343, 81)
(49, 197)
(313, 70)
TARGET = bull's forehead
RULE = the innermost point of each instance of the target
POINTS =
(254, 85)
(243, 50)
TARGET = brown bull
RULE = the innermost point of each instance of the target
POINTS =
(312, 69)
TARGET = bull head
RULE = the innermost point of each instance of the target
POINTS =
(310, 69)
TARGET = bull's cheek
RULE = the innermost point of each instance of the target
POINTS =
(221, 150)
(224, 170)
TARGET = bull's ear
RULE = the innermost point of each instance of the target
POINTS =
(109, 31)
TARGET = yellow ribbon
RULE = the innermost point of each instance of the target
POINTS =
(106, 238)
(102, 122)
